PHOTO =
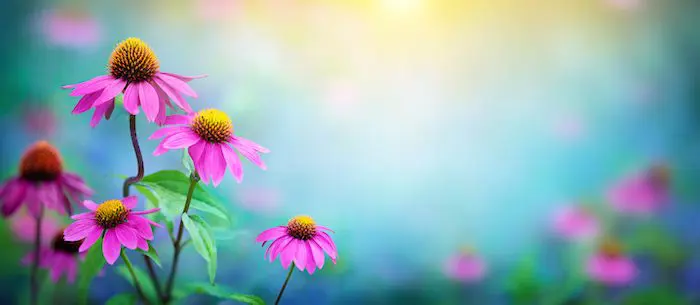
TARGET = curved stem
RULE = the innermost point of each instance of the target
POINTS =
(127, 262)
(33, 277)
(176, 243)
(284, 286)
(125, 192)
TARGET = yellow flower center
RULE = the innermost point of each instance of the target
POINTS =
(111, 213)
(301, 227)
(213, 125)
(133, 60)
(61, 245)
(41, 162)
(611, 248)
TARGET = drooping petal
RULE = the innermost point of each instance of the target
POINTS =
(88, 82)
(111, 247)
(110, 110)
(273, 233)
(196, 150)
(202, 164)
(149, 211)
(310, 262)
(324, 228)
(160, 149)
(178, 119)
(177, 84)
(79, 229)
(173, 94)
(317, 253)
(149, 100)
(166, 131)
(90, 239)
(130, 202)
(86, 102)
(90, 205)
(182, 139)
(32, 200)
(126, 236)
(255, 146)
(13, 195)
(96, 84)
(131, 99)
(100, 111)
(162, 112)
(288, 253)
(111, 90)
(326, 246)
(274, 250)
(142, 244)
(218, 164)
(249, 152)
(233, 162)
(76, 183)
(141, 226)
(300, 257)
(184, 78)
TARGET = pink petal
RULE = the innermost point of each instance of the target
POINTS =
(131, 99)
(326, 246)
(248, 151)
(99, 84)
(100, 112)
(202, 163)
(141, 226)
(166, 131)
(288, 253)
(76, 183)
(142, 244)
(310, 262)
(217, 163)
(90, 205)
(89, 82)
(79, 229)
(317, 253)
(32, 201)
(149, 100)
(90, 239)
(270, 234)
(110, 110)
(184, 78)
(182, 139)
(196, 150)
(274, 250)
(13, 195)
(251, 144)
(300, 257)
(130, 202)
(173, 94)
(160, 150)
(324, 228)
(179, 119)
(86, 102)
(87, 215)
(126, 236)
(149, 211)
(177, 84)
(162, 112)
(111, 247)
(234, 164)
(111, 90)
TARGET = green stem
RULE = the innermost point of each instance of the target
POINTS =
(284, 286)
(177, 242)
(134, 278)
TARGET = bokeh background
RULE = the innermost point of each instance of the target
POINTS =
(414, 128)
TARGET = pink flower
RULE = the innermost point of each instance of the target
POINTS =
(24, 227)
(121, 226)
(70, 28)
(59, 257)
(42, 181)
(208, 134)
(134, 70)
(465, 267)
(301, 241)
(575, 223)
(642, 193)
(610, 267)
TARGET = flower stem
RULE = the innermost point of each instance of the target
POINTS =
(176, 243)
(133, 277)
(284, 286)
(125, 192)
(33, 277)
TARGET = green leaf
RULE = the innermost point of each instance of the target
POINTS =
(151, 202)
(144, 280)
(655, 296)
(91, 266)
(204, 243)
(222, 292)
(122, 299)
(171, 186)
(187, 162)
(151, 253)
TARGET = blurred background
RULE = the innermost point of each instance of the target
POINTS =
(464, 152)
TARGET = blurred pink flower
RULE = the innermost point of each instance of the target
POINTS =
(465, 266)
(575, 223)
(70, 28)
(301, 241)
(134, 70)
(59, 257)
(120, 225)
(208, 135)
(641, 193)
(24, 227)
(609, 266)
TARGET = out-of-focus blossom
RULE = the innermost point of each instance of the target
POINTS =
(40, 120)
(575, 223)
(134, 70)
(301, 241)
(642, 193)
(120, 225)
(609, 266)
(42, 183)
(70, 28)
(465, 266)
(24, 227)
(207, 135)
(59, 257)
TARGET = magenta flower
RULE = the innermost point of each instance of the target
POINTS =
(134, 70)
(42, 181)
(208, 135)
(121, 226)
(642, 193)
(301, 241)
(575, 223)
(466, 267)
(60, 257)
(610, 267)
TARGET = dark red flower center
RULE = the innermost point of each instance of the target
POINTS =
(134, 61)
(41, 162)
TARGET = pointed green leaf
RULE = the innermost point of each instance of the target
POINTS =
(122, 299)
(152, 253)
(204, 243)
(225, 293)
(91, 266)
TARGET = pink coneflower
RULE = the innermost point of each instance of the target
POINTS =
(642, 193)
(134, 70)
(301, 241)
(42, 182)
(465, 266)
(121, 226)
(208, 135)
(575, 223)
(609, 266)
(60, 257)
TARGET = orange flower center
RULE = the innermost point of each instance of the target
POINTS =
(41, 162)
(610, 248)
(213, 125)
(111, 213)
(133, 60)
(61, 245)
(301, 227)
